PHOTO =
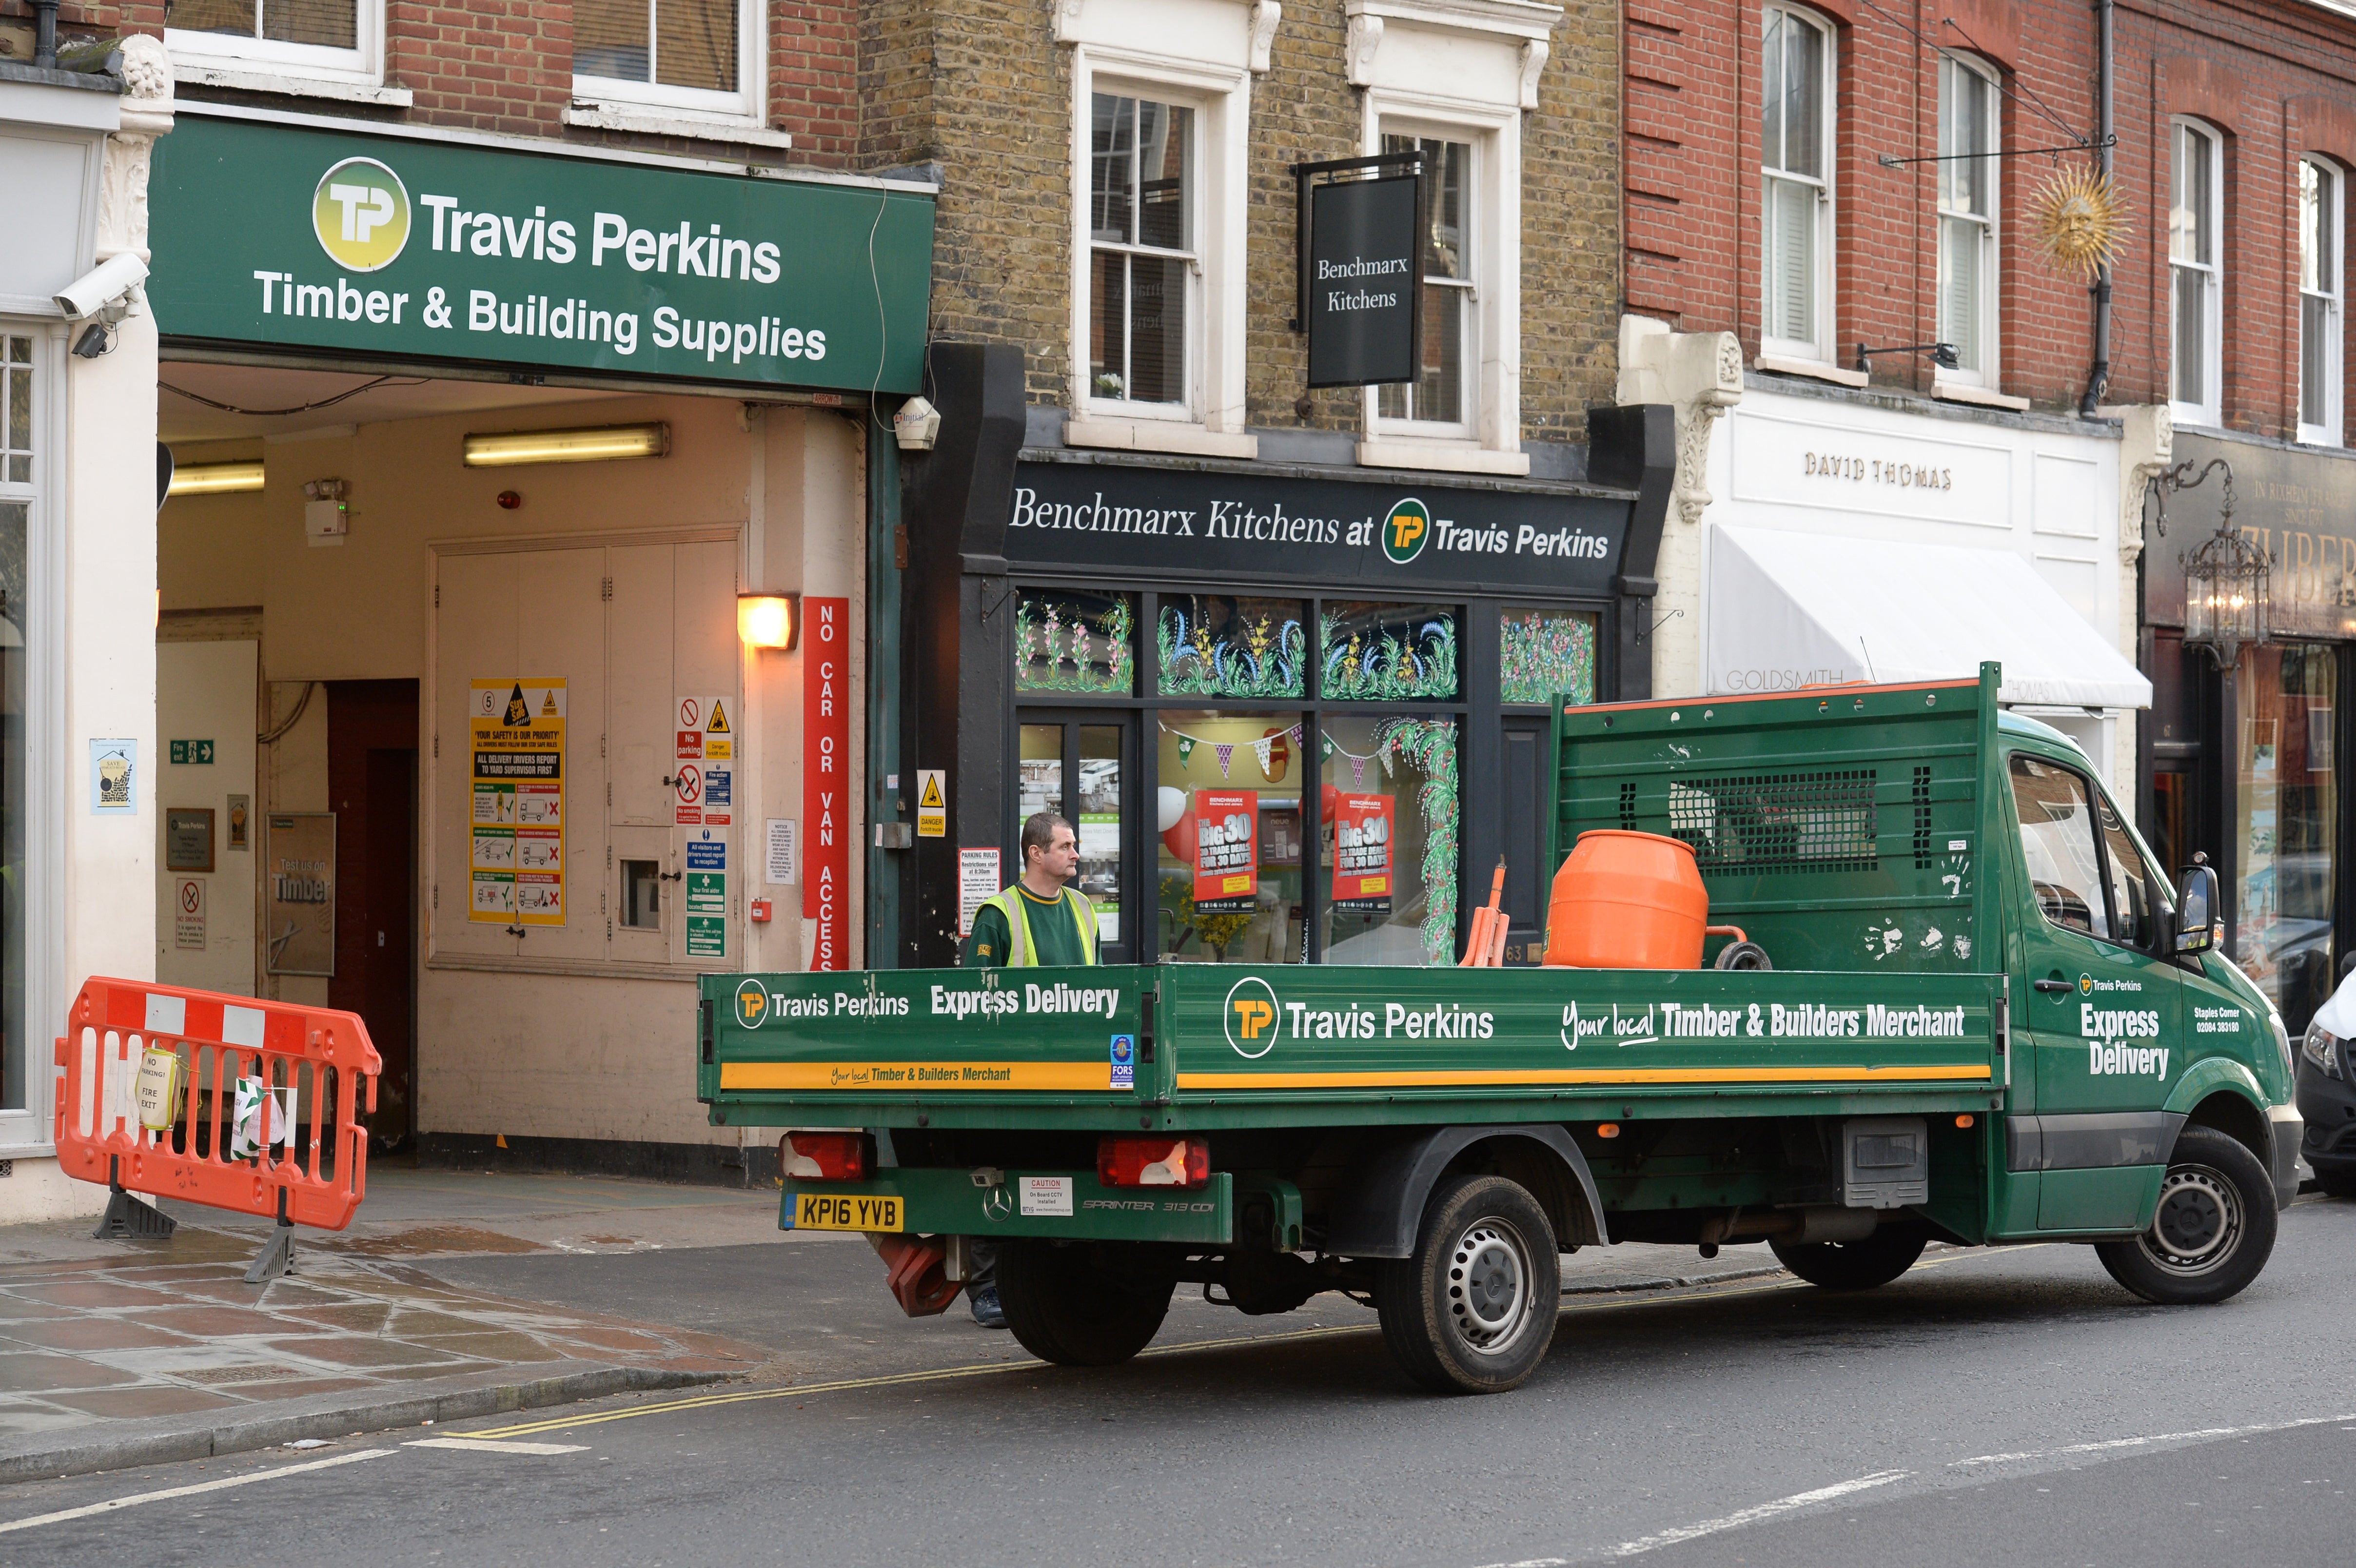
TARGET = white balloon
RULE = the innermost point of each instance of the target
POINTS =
(1169, 806)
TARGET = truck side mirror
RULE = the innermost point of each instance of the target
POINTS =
(2196, 909)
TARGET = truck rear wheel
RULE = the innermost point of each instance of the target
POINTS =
(2213, 1233)
(1065, 1306)
(1472, 1310)
(1853, 1266)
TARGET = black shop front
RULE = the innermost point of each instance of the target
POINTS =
(1297, 711)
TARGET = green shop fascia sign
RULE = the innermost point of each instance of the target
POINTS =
(387, 248)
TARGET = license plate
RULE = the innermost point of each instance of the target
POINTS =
(847, 1211)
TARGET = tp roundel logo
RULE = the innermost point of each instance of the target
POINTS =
(2085, 985)
(360, 213)
(1404, 530)
(752, 1003)
(1251, 1017)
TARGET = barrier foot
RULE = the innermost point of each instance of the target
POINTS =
(128, 1218)
(276, 1259)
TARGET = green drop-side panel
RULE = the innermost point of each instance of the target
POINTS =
(1838, 827)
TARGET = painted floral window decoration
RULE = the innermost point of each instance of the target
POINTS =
(1391, 659)
(1065, 642)
(1223, 647)
(1546, 654)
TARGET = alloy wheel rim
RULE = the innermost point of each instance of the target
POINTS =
(1488, 1286)
(2197, 1224)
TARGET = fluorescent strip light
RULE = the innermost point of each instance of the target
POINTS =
(601, 444)
(216, 478)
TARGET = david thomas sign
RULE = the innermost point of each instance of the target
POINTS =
(265, 235)
(1088, 514)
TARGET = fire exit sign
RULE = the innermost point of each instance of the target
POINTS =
(192, 753)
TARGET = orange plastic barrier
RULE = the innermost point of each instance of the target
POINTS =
(312, 1060)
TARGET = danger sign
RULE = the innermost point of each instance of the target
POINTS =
(689, 812)
(932, 803)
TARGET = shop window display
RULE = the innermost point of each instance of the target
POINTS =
(1544, 654)
(1225, 645)
(1229, 862)
(1388, 802)
(1074, 643)
(1387, 652)
(2286, 815)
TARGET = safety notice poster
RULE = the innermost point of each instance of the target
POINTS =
(705, 781)
(517, 740)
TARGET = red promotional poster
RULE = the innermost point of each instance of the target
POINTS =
(1227, 851)
(826, 779)
(1362, 853)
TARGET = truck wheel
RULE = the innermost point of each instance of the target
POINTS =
(1852, 1265)
(1472, 1310)
(2215, 1229)
(1063, 1307)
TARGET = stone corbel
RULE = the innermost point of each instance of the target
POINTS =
(1067, 21)
(146, 114)
(1265, 15)
(1366, 41)
(2146, 450)
(1698, 374)
(1534, 59)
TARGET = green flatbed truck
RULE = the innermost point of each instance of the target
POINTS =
(1990, 1019)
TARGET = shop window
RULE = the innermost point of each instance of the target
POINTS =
(2196, 274)
(1229, 864)
(1545, 656)
(1968, 209)
(1141, 257)
(17, 631)
(1796, 138)
(1442, 397)
(2285, 826)
(1074, 643)
(1388, 802)
(679, 54)
(339, 40)
(2318, 302)
(1225, 645)
(1386, 652)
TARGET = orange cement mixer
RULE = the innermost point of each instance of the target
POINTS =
(1629, 901)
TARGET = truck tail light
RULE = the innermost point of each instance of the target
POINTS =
(1153, 1162)
(825, 1157)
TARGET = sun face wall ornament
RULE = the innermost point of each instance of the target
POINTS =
(2078, 219)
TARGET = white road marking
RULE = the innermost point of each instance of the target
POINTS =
(1732, 1522)
(2118, 1444)
(112, 1503)
(486, 1446)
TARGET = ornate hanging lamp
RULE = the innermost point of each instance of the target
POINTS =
(2228, 580)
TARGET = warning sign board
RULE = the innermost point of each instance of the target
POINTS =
(189, 915)
(932, 804)
(688, 787)
(517, 743)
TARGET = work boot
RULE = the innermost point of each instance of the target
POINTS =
(986, 1310)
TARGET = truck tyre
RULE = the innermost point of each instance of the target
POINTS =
(1472, 1310)
(1063, 1307)
(1853, 1266)
(2337, 1183)
(2213, 1233)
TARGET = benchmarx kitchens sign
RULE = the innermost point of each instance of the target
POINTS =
(398, 249)
(1377, 530)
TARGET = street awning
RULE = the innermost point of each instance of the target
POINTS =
(1792, 609)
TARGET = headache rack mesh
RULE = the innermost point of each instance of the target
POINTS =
(1765, 823)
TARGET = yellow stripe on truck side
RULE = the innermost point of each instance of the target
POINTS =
(1474, 1077)
(927, 1077)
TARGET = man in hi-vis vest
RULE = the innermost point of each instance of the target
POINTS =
(1038, 922)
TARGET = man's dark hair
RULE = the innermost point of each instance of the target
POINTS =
(1039, 833)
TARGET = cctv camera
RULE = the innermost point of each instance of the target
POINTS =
(108, 284)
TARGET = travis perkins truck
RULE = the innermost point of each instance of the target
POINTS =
(1990, 1019)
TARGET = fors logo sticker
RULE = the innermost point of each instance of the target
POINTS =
(361, 214)
(1404, 530)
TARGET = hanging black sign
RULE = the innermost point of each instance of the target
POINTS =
(1361, 289)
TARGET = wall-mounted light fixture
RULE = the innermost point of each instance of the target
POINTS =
(605, 443)
(768, 620)
(1943, 355)
(216, 478)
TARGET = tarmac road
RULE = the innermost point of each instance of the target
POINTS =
(1994, 1407)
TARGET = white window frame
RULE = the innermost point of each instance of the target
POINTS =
(1211, 421)
(48, 770)
(745, 107)
(1820, 350)
(1478, 244)
(1989, 255)
(1187, 409)
(2332, 430)
(2209, 408)
(265, 65)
